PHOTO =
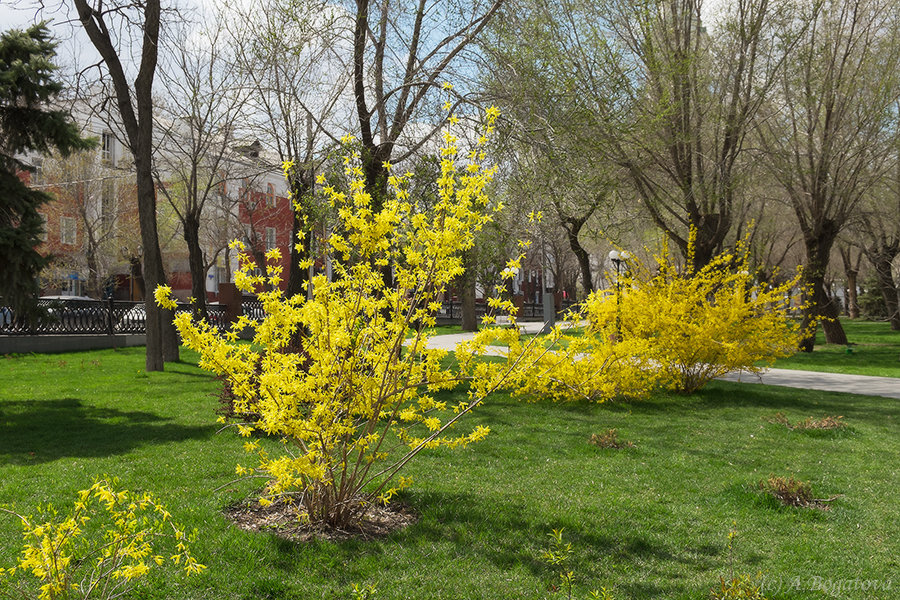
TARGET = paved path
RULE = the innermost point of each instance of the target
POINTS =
(888, 387)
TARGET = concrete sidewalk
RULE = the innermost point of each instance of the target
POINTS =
(887, 387)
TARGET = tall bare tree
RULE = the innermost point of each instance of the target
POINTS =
(401, 52)
(197, 121)
(671, 100)
(295, 57)
(108, 26)
(827, 132)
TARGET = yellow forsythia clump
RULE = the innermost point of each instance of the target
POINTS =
(572, 366)
(108, 539)
(357, 401)
(697, 326)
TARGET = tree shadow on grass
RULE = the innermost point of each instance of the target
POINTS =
(468, 529)
(40, 431)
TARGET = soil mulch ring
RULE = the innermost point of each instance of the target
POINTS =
(280, 518)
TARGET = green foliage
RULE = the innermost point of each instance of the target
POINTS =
(27, 87)
(366, 592)
(558, 554)
(871, 301)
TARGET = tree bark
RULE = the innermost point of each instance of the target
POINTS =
(573, 228)
(136, 112)
(852, 294)
(851, 272)
(818, 305)
(197, 264)
(882, 261)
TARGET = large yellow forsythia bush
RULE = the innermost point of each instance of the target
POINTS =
(696, 326)
(358, 401)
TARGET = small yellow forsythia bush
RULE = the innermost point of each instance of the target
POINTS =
(357, 402)
(696, 326)
(110, 538)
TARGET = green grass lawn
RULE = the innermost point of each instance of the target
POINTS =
(874, 350)
(650, 522)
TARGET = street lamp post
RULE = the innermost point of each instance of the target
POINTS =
(618, 259)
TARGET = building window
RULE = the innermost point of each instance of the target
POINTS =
(37, 175)
(270, 238)
(68, 231)
(43, 236)
(270, 195)
(107, 147)
(245, 190)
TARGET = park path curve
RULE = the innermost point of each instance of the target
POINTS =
(887, 387)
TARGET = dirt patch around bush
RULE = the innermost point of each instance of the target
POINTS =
(280, 518)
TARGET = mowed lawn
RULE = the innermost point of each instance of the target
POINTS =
(650, 522)
(874, 350)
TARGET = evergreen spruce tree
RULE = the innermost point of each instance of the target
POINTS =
(27, 123)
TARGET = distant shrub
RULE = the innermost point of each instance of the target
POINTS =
(698, 325)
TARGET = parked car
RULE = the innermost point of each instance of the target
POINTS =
(135, 318)
(6, 316)
(74, 312)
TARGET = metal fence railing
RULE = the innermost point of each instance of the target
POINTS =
(534, 311)
(92, 317)
(110, 317)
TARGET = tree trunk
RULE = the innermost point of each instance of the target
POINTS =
(584, 260)
(819, 306)
(851, 272)
(883, 263)
(136, 112)
(93, 283)
(852, 294)
(467, 295)
(196, 263)
(162, 338)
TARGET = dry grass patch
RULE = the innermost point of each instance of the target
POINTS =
(610, 439)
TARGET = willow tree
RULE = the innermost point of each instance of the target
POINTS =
(671, 97)
(827, 134)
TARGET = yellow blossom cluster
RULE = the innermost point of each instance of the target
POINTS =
(95, 551)
(663, 328)
(344, 378)
(699, 325)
